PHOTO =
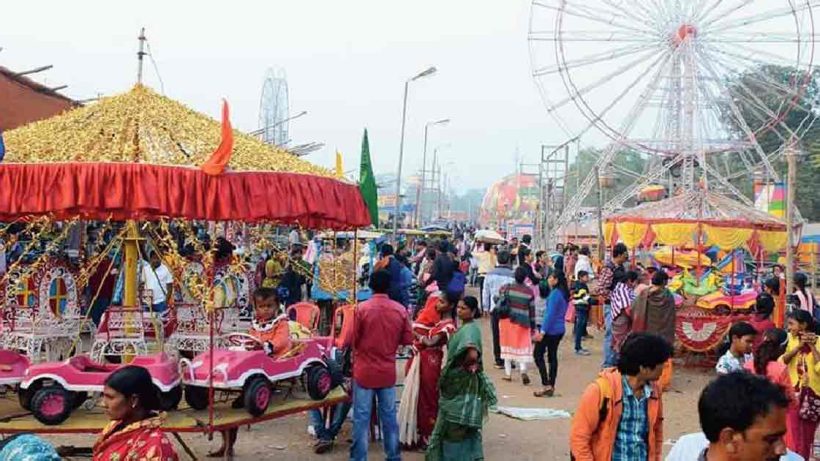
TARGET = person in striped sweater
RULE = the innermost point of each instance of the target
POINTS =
(517, 330)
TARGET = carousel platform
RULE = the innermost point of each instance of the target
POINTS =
(13, 419)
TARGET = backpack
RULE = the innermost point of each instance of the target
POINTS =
(604, 397)
(457, 283)
(543, 288)
(502, 308)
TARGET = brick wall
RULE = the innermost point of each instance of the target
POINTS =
(21, 104)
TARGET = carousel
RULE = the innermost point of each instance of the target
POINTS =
(712, 247)
(151, 177)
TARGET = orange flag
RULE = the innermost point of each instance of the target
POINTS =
(216, 164)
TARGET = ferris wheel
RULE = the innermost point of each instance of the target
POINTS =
(695, 86)
(274, 111)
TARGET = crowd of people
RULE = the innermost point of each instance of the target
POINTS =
(764, 403)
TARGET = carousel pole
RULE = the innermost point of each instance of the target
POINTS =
(698, 269)
(130, 298)
(791, 158)
(732, 285)
(355, 299)
(141, 55)
(131, 244)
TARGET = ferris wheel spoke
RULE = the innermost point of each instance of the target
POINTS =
(653, 10)
(575, 92)
(761, 37)
(704, 17)
(590, 36)
(768, 85)
(719, 24)
(641, 103)
(725, 183)
(615, 13)
(716, 102)
(706, 11)
(653, 175)
(765, 113)
(628, 11)
(591, 17)
(741, 121)
(753, 56)
(592, 59)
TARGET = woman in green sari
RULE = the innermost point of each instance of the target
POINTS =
(465, 393)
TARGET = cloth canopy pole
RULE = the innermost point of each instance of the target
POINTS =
(732, 286)
(698, 268)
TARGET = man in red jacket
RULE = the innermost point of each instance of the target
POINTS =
(380, 326)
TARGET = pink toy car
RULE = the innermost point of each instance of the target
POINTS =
(722, 303)
(254, 372)
(53, 390)
(13, 366)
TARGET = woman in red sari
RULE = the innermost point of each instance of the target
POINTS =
(419, 399)
(134, 433)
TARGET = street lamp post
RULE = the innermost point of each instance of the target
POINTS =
(397, 212)
(420, 190)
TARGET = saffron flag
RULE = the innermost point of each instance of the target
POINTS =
(2, 147)
(219, 159)
(367, 182)
(340, 171)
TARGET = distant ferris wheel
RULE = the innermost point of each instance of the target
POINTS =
(684, 82)
(274, 110)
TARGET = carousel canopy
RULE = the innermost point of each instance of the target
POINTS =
(677, 221)
(141, 126)
(138, 156)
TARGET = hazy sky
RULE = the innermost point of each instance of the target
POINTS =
(346, 63)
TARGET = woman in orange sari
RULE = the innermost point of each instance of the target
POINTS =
(134, 433)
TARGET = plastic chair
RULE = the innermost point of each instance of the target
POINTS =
(307, 314)
(343, 322)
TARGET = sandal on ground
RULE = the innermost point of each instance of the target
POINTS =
(506, 378)
(322, 446)
(525, 379)
(546, 392)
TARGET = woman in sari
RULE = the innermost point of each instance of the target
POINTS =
(419, 399)
(466, 393)
(134, 433)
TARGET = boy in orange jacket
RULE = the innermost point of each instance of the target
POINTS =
(606, 425)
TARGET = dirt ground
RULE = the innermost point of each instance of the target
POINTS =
(504, 438)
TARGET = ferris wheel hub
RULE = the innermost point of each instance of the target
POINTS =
(685, 32)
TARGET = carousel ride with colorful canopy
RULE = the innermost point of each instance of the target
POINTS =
(140, 164)
(706, 233)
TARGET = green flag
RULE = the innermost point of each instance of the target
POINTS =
(367, 182)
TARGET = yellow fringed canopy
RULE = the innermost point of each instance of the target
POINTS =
(678, 221)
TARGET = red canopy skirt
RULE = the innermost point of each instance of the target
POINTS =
(142, 191)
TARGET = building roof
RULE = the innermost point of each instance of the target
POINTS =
(33, 85)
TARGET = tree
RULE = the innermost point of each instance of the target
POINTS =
(755, 89)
